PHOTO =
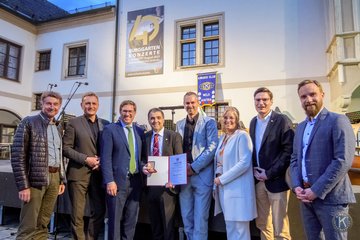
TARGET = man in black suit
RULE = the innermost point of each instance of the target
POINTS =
(272, 137)
(162, 199)
(81, 146)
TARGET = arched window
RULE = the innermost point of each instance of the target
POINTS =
(8, 124)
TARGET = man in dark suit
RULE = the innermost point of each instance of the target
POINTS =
(323, 153)
(84, 177)
(121, 162)
(272, 137)
(162, 199)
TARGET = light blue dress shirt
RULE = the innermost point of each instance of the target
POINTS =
(161, 137)
(305, 143)
(54, 145)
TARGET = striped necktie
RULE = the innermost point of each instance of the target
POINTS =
(156, 151)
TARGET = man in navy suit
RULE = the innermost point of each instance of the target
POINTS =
(162, 199)
(323, 153)
(121, 162)
(272, 137)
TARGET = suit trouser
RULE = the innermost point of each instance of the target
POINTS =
(123, 209)
(161, 213)
(77, 193)
(195, 199)
(272, 209)
(35, 215)
(320, 220)
(235, 230)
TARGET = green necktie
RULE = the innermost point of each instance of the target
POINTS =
(132, 150)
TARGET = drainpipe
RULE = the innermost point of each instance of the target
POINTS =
(116, 53)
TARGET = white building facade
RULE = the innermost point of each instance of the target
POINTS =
(249, 44)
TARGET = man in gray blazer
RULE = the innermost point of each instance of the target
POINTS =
(200, 140)
(162, 199)
(81, 146)
(323, 153)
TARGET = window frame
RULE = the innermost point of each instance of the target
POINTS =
(218, 110)
(39, 60)
(6, 60)
(36, 103)
(199, 23)
(66, 60)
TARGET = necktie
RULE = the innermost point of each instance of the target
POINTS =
(156, 151)
(132, 164)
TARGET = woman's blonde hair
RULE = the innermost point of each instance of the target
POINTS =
(237, 118)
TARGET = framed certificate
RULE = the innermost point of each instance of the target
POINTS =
(166, 169)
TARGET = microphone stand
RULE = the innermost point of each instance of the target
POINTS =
(61, 116)
(62, 113)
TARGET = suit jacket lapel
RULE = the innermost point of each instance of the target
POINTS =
(148, 143)
(252, 136)
(88, 130)
(101, 125)
(180, 127)
(322, 116)
(122, 135)
(137, 139)
(198, 126)
(268, 128)
(165, 143)
(252, 128)
(300, 130)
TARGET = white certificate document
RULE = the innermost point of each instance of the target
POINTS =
(177, 169)
(167, 169)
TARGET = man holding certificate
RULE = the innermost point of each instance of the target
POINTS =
(200, 140)
(161, 199)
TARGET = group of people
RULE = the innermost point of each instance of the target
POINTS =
(246, 173)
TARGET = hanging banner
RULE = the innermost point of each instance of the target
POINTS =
(206, 88)
(144, 45)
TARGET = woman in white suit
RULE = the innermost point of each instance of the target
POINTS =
(234, 189)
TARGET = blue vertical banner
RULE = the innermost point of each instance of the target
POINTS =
(206, 88)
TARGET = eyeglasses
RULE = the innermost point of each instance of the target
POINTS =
(262, 100)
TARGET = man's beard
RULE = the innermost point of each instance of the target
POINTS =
(312, 110)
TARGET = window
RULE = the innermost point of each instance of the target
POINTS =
(75, 60)
(6, 138)
(211, 43)
(188, 46)
(9, 60)
(200, 42)
(8, 123)
(347, 15)
(36, 101)
(43, 60)
(216, 111)
(7, 133)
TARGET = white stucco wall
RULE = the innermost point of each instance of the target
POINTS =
(9, 88)
(99, 74)
(267, 43)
